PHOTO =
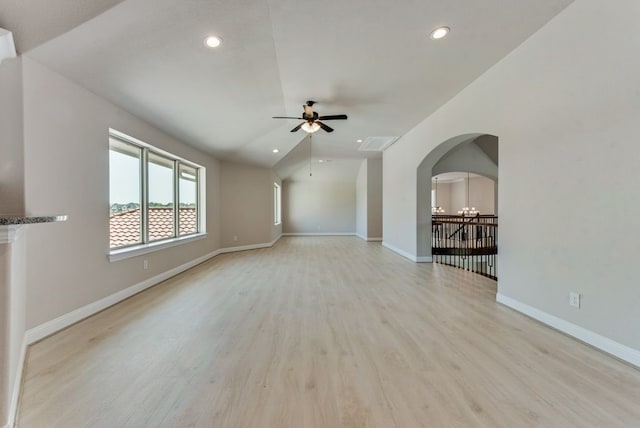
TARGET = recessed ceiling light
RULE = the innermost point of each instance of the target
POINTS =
(358, 141)
(321, 160)
(439, 33)
(213, 41)
(276, 151)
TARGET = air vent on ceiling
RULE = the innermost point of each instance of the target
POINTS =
(377, 144)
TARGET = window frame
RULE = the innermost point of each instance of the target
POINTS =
(277, 204)
(147, 246)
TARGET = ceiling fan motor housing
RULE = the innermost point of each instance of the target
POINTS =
(311, 117)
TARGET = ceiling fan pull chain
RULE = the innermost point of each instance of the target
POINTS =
(310, 162)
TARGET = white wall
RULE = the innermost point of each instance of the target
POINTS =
(466, 157)
(67, 172)
(12, 319)
(481, 195)
(565, 107)
(246, 204)
(11, 148)
(443, 197)
(458, 196)
(12, 281)
(361, 201)
(319, 206)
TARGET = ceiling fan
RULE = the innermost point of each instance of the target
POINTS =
(312, 120)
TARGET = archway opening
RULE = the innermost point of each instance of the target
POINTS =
(469, 153)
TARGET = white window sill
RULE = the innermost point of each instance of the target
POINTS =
(127, 253)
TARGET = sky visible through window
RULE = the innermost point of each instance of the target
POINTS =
(124, 186)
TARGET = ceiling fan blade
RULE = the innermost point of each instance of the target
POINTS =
(333, 117)
(325, 127)
(286, 117)
(297, 128)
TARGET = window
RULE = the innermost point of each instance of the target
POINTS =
(188, 191)
(154, 196)
(125, 196)
(161, 209)
(277, 205)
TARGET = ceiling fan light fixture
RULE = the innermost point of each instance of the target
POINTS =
(212, 41)
(440, 33)
(310, 128)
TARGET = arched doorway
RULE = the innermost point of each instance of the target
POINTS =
(476, 153)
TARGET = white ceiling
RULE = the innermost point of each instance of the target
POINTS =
(370, 59)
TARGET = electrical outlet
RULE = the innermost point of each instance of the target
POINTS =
(145, 264)
(574, 299)
(235, 237)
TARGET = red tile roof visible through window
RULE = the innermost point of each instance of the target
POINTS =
(124, 227)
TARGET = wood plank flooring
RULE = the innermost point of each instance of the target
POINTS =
(321, 332)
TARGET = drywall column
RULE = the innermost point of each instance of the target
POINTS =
(369, 200)
(246, 205)
(12, 280)
(12, 319)
(361, 201)
(11, 138)
(374, 199)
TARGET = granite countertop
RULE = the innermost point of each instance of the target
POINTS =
(15, 220)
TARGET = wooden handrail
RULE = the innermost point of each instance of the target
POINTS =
(476, 223)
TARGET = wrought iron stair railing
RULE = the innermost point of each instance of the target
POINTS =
(465, 242)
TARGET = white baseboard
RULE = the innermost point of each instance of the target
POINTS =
(321, 234)
(50, 327)
(625, 353)
(249, 247)
(364, 238)
(17, 383)
(417, 259)
(399, 251)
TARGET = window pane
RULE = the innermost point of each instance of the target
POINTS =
(188, 191)
(277, 204)
(161, 196)
(125, 219)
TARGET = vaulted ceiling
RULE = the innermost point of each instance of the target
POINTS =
(371, 59)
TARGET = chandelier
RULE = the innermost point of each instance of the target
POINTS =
(436, 209)
(466, 211)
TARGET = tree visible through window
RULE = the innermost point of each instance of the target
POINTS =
(145, 187)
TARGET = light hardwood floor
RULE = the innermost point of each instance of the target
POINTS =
(321, 332)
